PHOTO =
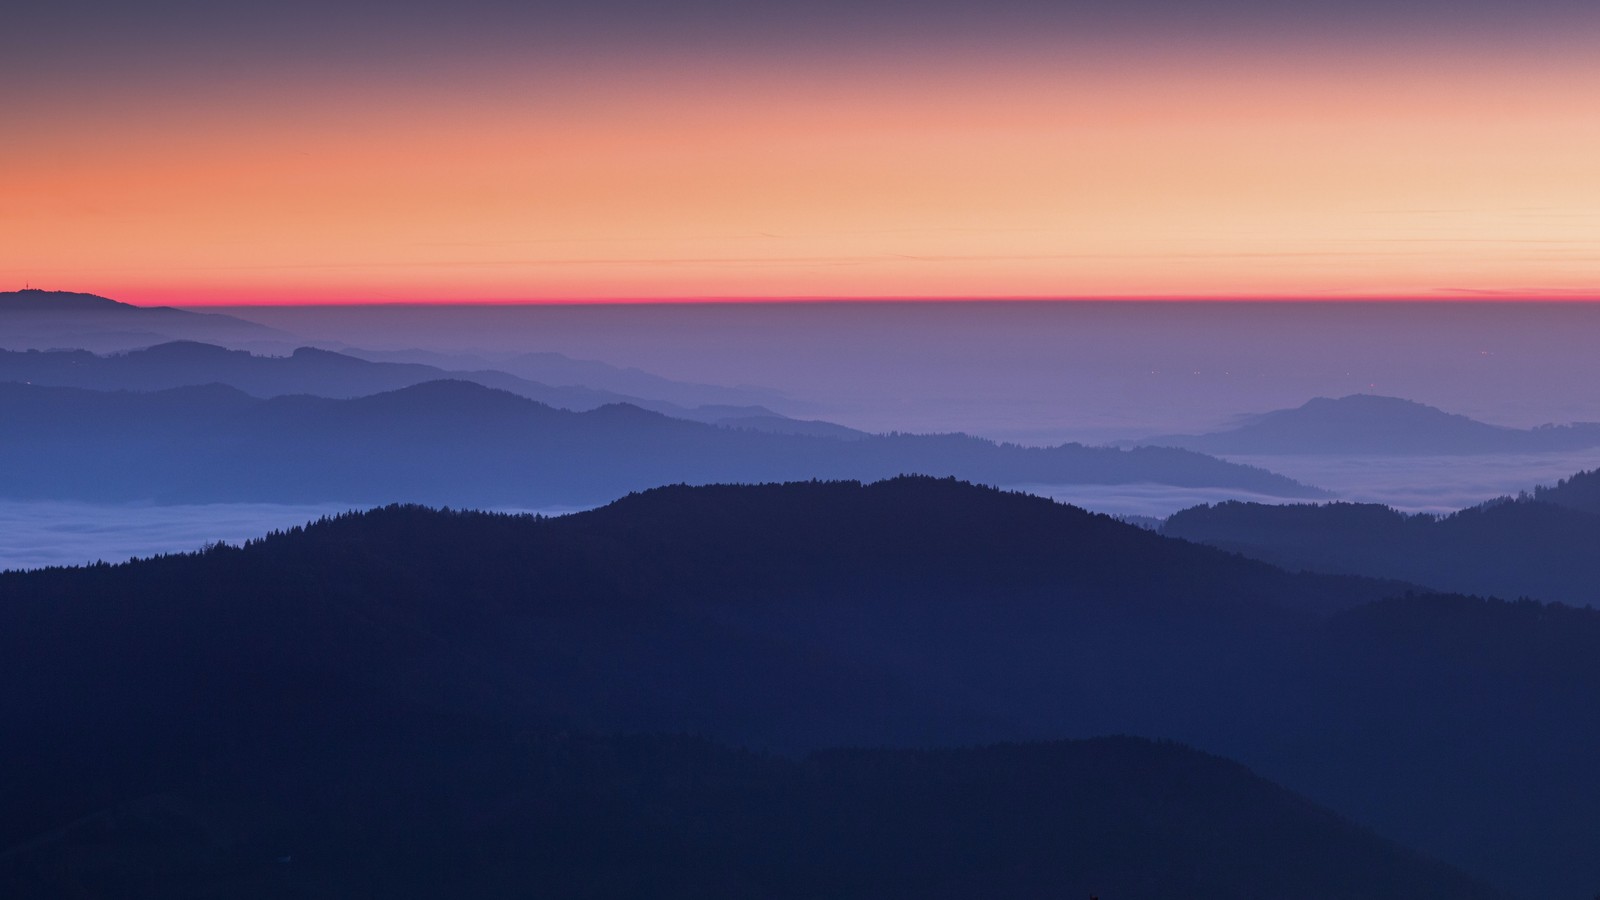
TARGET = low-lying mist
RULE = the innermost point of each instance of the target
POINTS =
(35, 534)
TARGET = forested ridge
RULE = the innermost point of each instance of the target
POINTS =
(788, 619)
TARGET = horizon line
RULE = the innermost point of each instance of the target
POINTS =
(1448, 295)
(1464, 298)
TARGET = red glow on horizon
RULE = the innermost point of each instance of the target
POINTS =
(1449, 297)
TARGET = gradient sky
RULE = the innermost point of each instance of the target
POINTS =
(188, 153)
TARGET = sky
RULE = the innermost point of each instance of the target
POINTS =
(483, 150)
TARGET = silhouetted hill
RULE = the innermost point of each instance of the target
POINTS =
(461, 444)
(34, 300)
(1580, 492)
(1367, 424)
(393, 813)
(913, 612)
(1508, 549)
(50, 319)
(323, 373)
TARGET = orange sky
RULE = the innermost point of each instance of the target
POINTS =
(1394, 175)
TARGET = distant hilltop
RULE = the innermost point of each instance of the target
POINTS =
(1372, 425)
(37, 319)
(32, 299)
(39, 300)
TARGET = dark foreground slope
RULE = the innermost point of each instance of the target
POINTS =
(1528, 548)
(401, 812)
(912, 612)
(461, 444)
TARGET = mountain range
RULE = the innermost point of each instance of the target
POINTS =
(1364, 424)
(323, 373)
(732, 686)
(459, 443)
(913, 612)
(96, 326)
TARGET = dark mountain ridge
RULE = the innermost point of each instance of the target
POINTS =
(913, 612)
(1365, 424)
(1530, 547)
(1580, 492)
(461, 444)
